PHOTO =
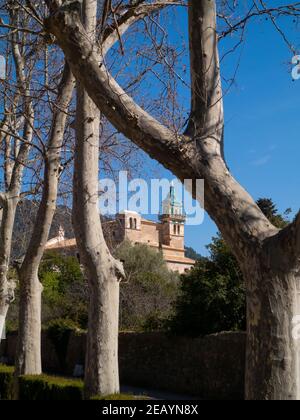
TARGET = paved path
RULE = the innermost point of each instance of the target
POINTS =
(156, 395)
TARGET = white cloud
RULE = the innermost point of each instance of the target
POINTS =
(261, 161)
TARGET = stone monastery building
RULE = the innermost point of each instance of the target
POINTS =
(166, 235)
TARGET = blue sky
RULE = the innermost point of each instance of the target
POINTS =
(262, 129)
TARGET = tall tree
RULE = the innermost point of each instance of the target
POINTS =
(269, 209)
(28, 357)
(103, 271)
(212, 297)
(268, 257)
(16, 150)
(101, 367)
(18, 155)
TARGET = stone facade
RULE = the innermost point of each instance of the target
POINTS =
(166, 236)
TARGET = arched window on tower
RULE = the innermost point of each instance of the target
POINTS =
(131, 223)
(174, 229)
(178, 228)
(135, 224)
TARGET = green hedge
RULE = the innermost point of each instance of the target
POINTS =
(49, 388)
(6, 382)
(39, 388)
(59, 332)
(116, 397)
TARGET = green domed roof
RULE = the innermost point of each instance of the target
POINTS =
(171, 205)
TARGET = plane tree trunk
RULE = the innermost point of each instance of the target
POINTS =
(13, 169)
(6, 287)
(273, 302)
(28, 357)
(101, 269)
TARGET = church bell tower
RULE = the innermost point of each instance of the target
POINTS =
(172, 219)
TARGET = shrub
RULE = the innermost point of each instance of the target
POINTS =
(49, 388)
(147, 299)
(140, 258)
(6, 382)
(155, 322)
(212, 295)
(65, 290)
(59, 331)
(66, 268)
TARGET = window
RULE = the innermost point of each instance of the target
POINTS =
(174, 229)
(131, 223)
(178, 228)
(135, 224)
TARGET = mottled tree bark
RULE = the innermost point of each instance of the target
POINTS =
(8, 206)
(101, 367)
(269, 258)
(28, 357)
(273, 299)
(101, 269)
(9, 199)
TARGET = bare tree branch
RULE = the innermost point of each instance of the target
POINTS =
(132, 15)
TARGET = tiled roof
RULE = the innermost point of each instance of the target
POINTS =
(181, 260)
(67, 243)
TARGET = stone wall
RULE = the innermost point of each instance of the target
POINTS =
(210, 367)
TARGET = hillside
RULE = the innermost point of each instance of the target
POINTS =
(25, 219)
